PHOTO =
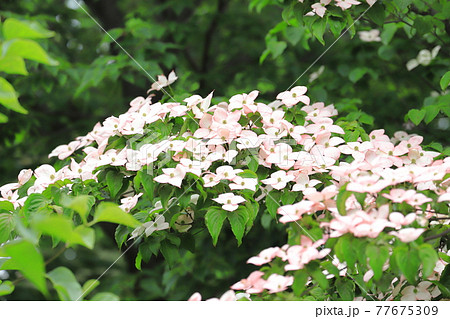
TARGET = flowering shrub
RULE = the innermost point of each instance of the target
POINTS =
(366, 215)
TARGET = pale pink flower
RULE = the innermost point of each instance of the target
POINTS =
(135, 126)
(137, 103)
(265, 256)
(406, 145)
(114, 158)
(319, 8)
(304, 184)
(12, 197)
(346, 4)
(291, 213)
(244, 183)
(128, 203)
(276, 283)
(64, 151)
(220, 153)
(300, 255)
(420, 292)
(210, 180)
(24, 176)
(248, 139)
(227, 172)
(407, 235)
(195, 297)
(194, 167)
(398, 219)
(273, 119)
(173, 176)
(81, 170)
(253, 284)
(278, 180)
(295, 95)
(229, 201)
(46, 175)
(163, 81)
(370, 36)
(245, 101)
(398, 195)
(444, 197)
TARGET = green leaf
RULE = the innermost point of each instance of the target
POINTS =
(318, 29)
(89, 285)
(214, 219)
(288, 197)
(170, 252)
(82, 204)
(13, 65)
(408, 262)
(114, 180)
(336, 26)
(389, 30)
(272, 203)
(7, 225)
(423, 24)
(276, 47)
(253, 164)
(65, 284)
(3, 118)
(6, 288)
(356, 74)
(105, 296)
(300, 279)
(294, 34)
(87, 235)
(248, 174)
(344, 251)
(416, 116)
(61, 228)
(402, 4)
(238, 219)
(112, 213)
(6, 205)
(346, 289)
(377, 257)
(8, 97)
(25, 257)
(27, 49)
(445, 80)
(342, 197)
(147, 183)
(429, 257)
(35, 202)
(445, 281)
(376, 13)
(316, 273)
(431, 112)
(13, 28)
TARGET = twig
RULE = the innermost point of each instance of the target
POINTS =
(438, 235)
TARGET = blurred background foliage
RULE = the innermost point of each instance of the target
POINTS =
(230, 46)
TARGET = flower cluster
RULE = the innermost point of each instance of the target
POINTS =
(319, 8)
(242, 149)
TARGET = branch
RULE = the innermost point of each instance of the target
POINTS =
(221, 6)
(438, 235)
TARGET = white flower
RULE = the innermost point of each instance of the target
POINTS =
(423, 58)
(370, 36)
(411, 293)
(149, 227)
(163, 81)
